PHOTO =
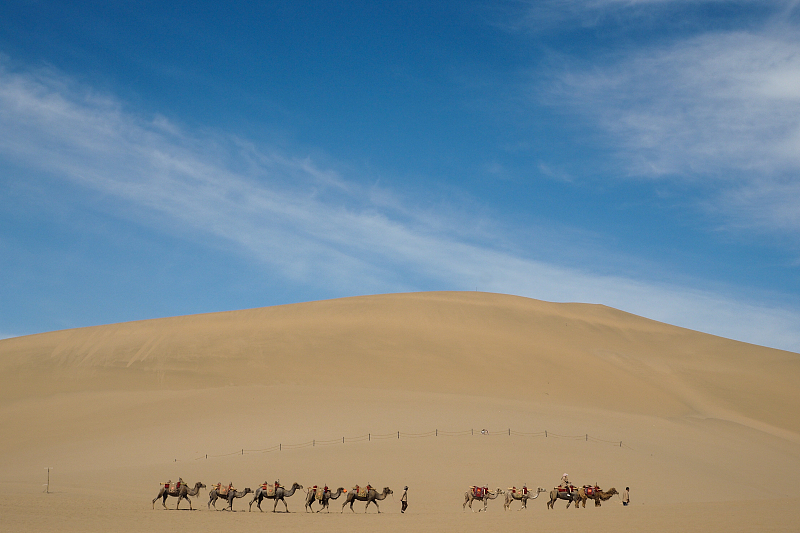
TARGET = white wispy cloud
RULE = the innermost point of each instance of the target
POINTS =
(718, 109)
(311, 224)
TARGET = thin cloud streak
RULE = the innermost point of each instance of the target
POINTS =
(309, 224)
(721, 110)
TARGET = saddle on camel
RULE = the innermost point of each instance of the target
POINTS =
(563, 489)
(590, 490)
(362, 492)
(479, 492)
(319, 492)
(269, 489)
(169, 487)
(223, 490)
(523, 491)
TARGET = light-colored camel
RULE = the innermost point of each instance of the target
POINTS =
(327, 496)
(597, 495)
(229, 496)
(469, 497)
(183, 492)
(519, 496)
(569, 496)
(372, 497)
(278, 495)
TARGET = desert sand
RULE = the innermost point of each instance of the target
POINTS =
(704, 430)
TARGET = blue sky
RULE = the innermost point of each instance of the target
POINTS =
(165, 160)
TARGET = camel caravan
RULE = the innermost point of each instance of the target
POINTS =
(319, 494)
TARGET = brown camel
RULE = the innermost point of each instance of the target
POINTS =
(372, 497)
(278, 494)
(324, 499)
(469, 497)
(597, 495)
(229, 496)
(518, 495)
(555, 494)
(183, 492)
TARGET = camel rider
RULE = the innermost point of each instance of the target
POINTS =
(369, 487)
(565, 481)
(524, 489)
(326, 490)
(277, 483)
(230, 487)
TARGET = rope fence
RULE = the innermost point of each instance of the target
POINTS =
(433, 433)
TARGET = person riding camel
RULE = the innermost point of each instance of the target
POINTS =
(524, 489)
(179, 484)
(369, 487)
(230, 488)
(565, 481)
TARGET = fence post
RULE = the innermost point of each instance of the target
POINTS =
(437, 432)
(620, 444)
(398, 434)
(473, 432)
(280, 447)
(242, 451)
(369, 436)
(342, 440)
(509, 432)
(545, 433)
(313, 442)
(587, 437)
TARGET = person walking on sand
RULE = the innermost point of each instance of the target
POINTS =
(404, 500)
(626, 497)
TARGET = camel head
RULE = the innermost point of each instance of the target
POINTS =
(387, 491)
(540, 489)
(296, 486)
(248, 490)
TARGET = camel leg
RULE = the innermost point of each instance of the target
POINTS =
(286, 507)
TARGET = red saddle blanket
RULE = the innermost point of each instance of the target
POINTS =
(479, 492)
(565, 489)
(589, 490)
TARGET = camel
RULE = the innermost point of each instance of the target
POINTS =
(598, 495)
(214, 495)
(569, 496)
(183, 492)
(518, 495)
(469, 496)
(372, 497)
(278, 495)
(327, 495)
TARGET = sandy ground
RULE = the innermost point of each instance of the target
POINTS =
(704, 430)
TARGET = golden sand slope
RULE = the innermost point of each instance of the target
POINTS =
(145, 401)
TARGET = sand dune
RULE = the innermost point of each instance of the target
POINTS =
(708, 426)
